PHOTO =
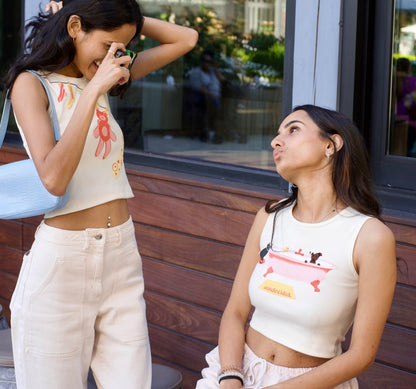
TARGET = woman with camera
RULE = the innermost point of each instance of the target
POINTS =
(79, 297)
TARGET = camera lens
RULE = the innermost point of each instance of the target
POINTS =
(119, 53)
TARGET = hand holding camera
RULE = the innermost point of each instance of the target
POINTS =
(120, 53)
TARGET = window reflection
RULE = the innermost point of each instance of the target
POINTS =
(403, 129)
(222, 101)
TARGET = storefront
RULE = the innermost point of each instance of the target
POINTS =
(191, 160)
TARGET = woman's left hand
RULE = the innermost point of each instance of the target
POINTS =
(54, 6)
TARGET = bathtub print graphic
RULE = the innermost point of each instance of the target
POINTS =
(296, 265)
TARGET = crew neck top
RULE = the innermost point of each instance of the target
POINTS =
(305, 287)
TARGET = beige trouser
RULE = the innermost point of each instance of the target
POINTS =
(79, 303)
(258, 373)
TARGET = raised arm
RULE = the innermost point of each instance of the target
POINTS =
(375, 260)
(233, 323)
(174, 40)
(56, 163)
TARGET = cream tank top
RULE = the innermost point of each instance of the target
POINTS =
(100, 176)
(304, 287)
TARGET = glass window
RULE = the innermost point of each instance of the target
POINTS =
(221, 102)
(380, 109)
(402, 134)
(10, 46)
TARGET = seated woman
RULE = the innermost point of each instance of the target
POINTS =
(313, 264)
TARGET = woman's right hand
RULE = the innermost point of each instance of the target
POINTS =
(112, 71)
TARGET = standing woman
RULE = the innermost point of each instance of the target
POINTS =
(79, 297)
(313, 264)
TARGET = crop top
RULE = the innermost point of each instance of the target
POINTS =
(100, 176)
(305, 287)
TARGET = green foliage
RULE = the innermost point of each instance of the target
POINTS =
(214, 35)
(257, 54)
(271, 58)
(262, 41)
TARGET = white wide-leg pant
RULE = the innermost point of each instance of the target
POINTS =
(79, 302)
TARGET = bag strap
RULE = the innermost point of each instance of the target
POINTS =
(7, 105)
(5, 118)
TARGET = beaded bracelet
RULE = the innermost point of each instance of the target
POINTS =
(230, 368)
(232, 374)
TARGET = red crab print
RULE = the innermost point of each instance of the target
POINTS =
(103, 131)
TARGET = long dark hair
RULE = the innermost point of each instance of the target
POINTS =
(350, 168)
(48, 45)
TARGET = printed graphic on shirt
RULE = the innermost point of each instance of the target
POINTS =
(104, 133)
(62, 92)
(278, 289)
(292, 265)
(116, 167)
(71, 98)
(67, 90)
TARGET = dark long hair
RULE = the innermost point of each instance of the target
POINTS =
(48, 45)
(350, 168)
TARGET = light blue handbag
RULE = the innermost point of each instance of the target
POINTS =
(22, 193)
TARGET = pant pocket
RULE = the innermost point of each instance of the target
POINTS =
(17, 293)
(54, 296)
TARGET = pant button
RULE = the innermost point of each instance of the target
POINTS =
(98, 236)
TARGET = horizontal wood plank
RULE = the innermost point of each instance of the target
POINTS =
(406, 264)
(193, 252)
(403, 233)
(397, 347)
(186, 285)
(10, 233)
(184, 318)
(217, 184)
(202, 220)
(403, 309)
(10, 260)
(11, 154)
(380, 376)
(180, 350)
(197, 194)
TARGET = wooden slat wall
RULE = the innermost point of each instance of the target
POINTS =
(191, 234)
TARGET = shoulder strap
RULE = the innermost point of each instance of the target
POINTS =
(6, 111)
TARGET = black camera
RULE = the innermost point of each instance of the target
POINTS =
(120, 53)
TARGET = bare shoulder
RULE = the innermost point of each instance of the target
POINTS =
(374, 231)
(28, 85)
(260, 219)
(375, 242)
(261, 213)
(29, 99)
(253, 238)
